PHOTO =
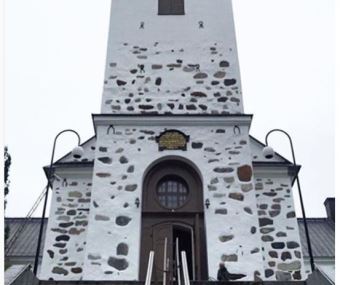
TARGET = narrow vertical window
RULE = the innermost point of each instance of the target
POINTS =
(170, 7)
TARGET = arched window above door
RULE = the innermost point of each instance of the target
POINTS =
(172, 186)
(172, 192)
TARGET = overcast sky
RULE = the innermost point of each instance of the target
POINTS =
(55, 53)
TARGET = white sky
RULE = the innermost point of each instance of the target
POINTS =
(55, 53)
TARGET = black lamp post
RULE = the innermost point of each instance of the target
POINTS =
(269, 153)
(77, 153)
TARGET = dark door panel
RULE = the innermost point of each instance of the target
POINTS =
(161, 241)
(172, 207)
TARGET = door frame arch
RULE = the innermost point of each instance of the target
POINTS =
(178, 158)
(190, 215)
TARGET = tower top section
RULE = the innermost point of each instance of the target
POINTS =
(172, 57)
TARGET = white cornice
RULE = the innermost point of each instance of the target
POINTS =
(78, 171)
(270, 171)
(172, 120)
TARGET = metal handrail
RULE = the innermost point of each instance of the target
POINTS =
(185, 268)
(178, 267)
(165, 262)
(150, 266)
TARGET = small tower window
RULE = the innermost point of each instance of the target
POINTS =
(170, 7)
(172, 192)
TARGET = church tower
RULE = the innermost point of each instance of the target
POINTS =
(172, 166)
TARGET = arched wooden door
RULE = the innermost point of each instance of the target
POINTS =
(172, 208)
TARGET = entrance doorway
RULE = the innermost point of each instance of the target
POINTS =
(173, 221)
(182, 238)
(169, 240)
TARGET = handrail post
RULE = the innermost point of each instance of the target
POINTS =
(150, 266)
(165, 260)
(177, 263)
(185, 268)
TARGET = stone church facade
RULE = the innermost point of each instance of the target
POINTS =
(172, 159)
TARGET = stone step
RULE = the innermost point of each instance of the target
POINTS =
(160, 283)
(316, 278)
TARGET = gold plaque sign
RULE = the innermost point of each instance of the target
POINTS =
(172, 140)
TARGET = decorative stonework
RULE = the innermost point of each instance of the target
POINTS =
(63, 254)
(279, 229)
(171, 83)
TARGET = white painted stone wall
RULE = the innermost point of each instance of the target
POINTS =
(231, 220)
(172, 65)
(90, 145)
(65, 242)
(236, 227)
(281, 246)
